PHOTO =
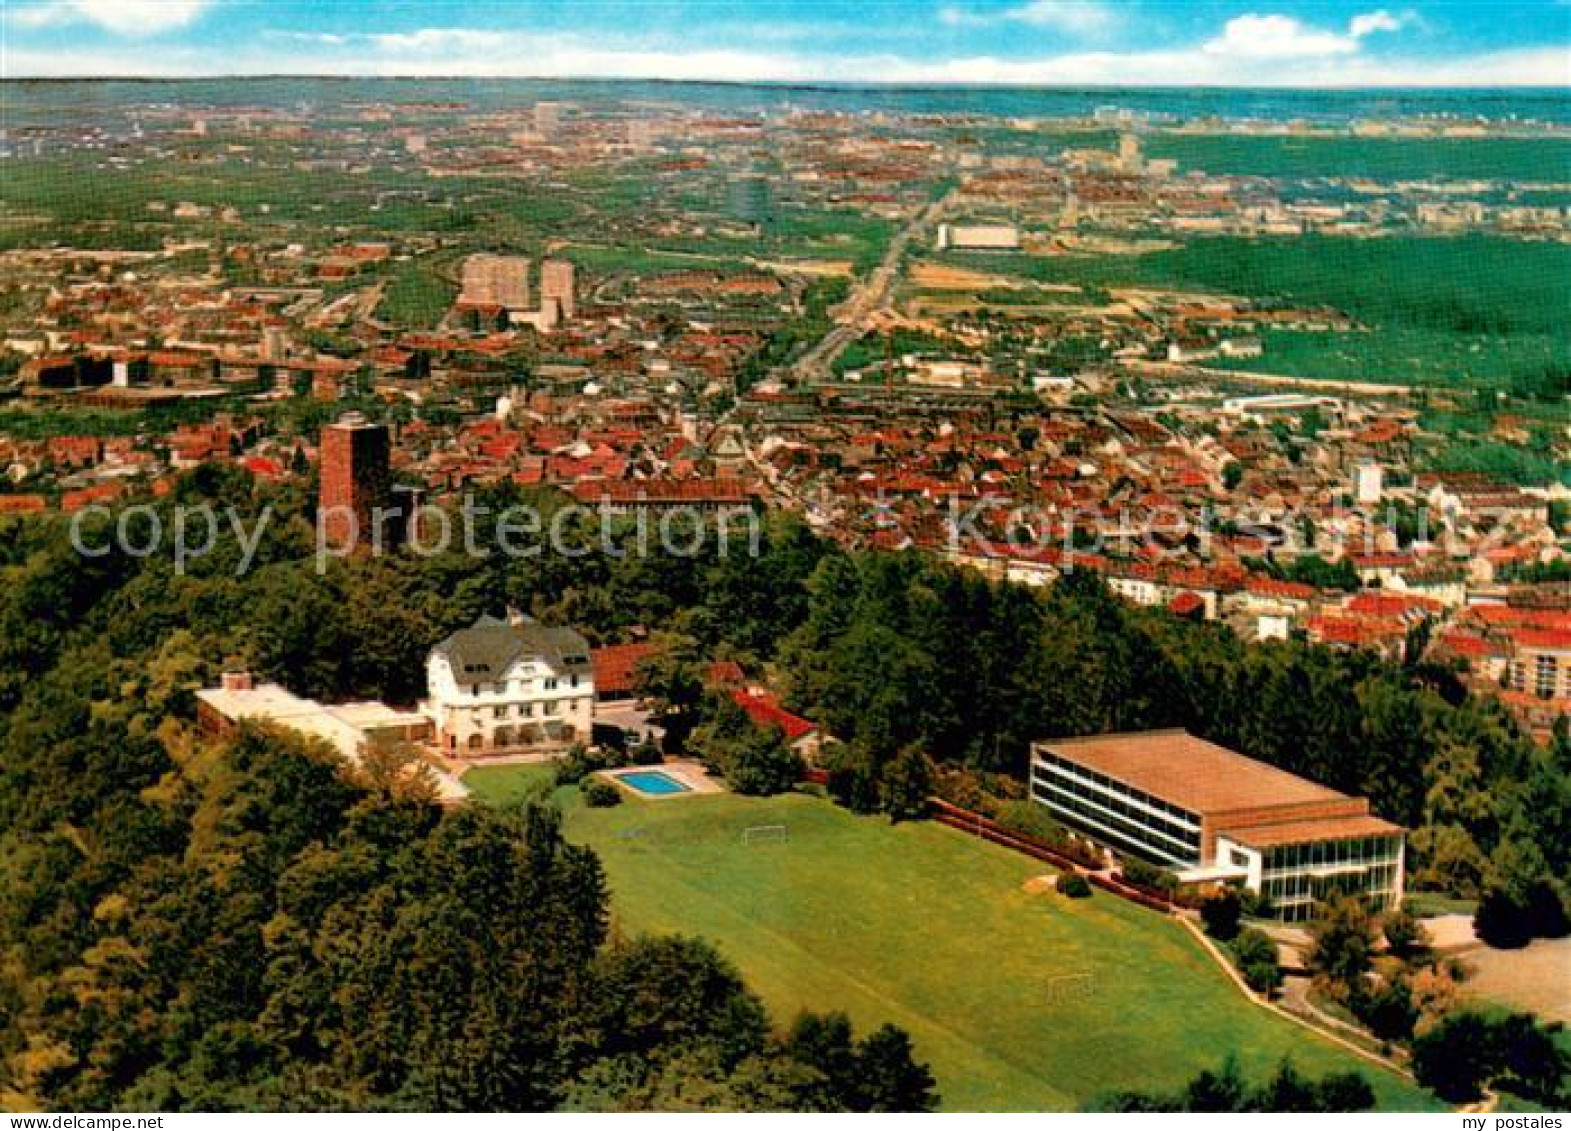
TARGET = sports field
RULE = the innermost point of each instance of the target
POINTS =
(1019, 1000)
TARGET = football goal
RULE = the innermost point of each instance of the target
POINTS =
(764, 834)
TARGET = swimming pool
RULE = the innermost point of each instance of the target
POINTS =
(654, 783)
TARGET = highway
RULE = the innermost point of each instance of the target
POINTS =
(872, 294)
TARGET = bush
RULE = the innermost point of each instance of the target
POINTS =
(1404, 933)
(1143, 874)
(645, 754)
(1074, 885)
(583, 761)
(907, 784)
(1387, 1009)
(1501, 922)
(1028, 818)
(600, 794)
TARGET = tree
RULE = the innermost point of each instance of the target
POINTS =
(1217, 1092)
(824, 1043)
(673, 993)
(671, 684)
(907, 784)
(1405, 935)
(1221, 912)
(1533, 1060)
(1457, 1057)
(1387, 1008)
(1501, 921)
(1345, 1092)
(754, 760)
(761, 763)
(1288, 1090)
(853, 778)
(1342, 942)
(1256, 955)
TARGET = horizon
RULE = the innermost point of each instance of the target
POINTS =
(1050, 44)
(787, 84)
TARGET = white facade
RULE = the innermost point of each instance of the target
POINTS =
(1220, 818)
(509, 687)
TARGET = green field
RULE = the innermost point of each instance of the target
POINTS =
(930, 929)
(1407, 158)
(1471, 311)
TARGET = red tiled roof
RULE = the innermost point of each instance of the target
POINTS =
(765, 711)
(1547, 639)
(616, 665)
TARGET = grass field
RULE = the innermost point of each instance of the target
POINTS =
(931, 929)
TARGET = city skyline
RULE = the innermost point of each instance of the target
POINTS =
(1003, 42)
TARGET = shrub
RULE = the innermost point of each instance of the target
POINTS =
(1074, 885)
(1030, 819)
(1387, 1009)
(645, 754)
(1404, 933)
(582, 761)
(907, 784)
(600, 794)
(1143, 874)
(1256, 956)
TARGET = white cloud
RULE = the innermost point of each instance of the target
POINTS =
(123, 17)
(1381, 20)
(1255, 36)
(1081, 18)
(1277, 37)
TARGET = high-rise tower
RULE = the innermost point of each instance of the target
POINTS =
(357, 496)
(556, 284)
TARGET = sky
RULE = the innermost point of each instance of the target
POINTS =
(1027, 42)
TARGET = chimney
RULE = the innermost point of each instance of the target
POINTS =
(236, 681)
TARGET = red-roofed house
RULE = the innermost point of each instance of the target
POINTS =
(764, 708)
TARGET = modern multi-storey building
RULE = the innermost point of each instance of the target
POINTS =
(556, 286)
(504, 686)
(1213, 815)
(496, 280)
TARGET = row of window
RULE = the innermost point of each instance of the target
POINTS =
(1330, 853)
(1544, 679)
(1121, 802)
(548, 708)
(517, 687)
(1075, 769)
(1123, 835)
(1294, 897)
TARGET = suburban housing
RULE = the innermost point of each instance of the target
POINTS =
(1211, 814)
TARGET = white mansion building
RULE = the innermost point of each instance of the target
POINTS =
(502, 686)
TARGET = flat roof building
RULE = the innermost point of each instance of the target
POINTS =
(1209, 813)
(347, 728)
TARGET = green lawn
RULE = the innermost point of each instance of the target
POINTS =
(929, 928)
